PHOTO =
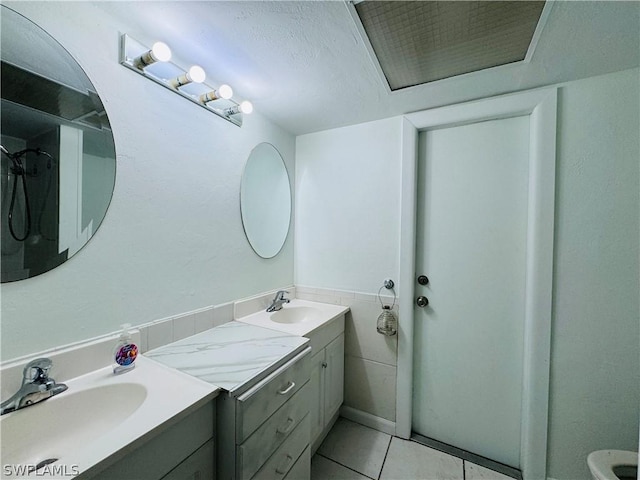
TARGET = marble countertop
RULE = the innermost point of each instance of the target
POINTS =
(233, 356)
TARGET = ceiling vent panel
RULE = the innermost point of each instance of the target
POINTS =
(418, 42)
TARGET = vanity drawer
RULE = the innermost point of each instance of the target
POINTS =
(259, 403)
(272, 433)
(301, 470)
(283, 461)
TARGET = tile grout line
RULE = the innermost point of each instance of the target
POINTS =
(345, 466)
(385, 456)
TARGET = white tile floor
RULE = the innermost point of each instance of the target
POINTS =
(354, 452)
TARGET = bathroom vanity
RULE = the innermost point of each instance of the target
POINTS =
(262, 419)
(282, 376)
(250, 399)
(323, 325)
(144, 429)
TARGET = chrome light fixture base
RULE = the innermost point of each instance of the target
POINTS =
(163, 72)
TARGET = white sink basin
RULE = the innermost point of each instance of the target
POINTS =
(298, 317)
(294, 314)
(51, 428)
(99, 415)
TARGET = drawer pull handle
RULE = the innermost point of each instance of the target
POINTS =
(282, 469)
(288, 427)
(287, 389)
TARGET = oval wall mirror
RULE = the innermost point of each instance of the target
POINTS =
(265, 200)
(58, 162)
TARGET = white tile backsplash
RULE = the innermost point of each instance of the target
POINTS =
(204, 319)
(159, 334)
(184, 326)
(223, 314)
(362, 338)
(370, 358)
(323, 297)
(365, 297)
(302, 289)
(370, 387)
(144, 339)
(306, 296)
(250, 305)
(327, 298)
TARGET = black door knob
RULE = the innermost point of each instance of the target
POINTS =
(423, 280)
(422, 301)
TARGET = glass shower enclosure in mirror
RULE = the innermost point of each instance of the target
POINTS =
(58, 156)
(265, 200)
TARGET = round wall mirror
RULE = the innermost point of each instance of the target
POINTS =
(58, 161)
(265, 200)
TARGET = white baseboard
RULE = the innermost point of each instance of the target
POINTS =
(368, 420)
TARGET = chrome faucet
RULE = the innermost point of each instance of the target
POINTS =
(278, 301)
(36, 386)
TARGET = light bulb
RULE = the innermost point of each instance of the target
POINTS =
(196, 74)
(160, 52)
(225, 91)
(246, 107)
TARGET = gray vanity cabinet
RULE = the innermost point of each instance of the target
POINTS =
(184, 450)
(263, 433)
(327, 379)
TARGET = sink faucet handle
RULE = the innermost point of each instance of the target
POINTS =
(37, 370)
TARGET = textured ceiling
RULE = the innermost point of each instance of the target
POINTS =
(420, 42)
(305, 66)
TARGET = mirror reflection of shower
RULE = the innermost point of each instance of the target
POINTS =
(57, 155)
(29, 204)
(19, 171)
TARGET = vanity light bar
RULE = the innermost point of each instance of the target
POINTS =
(154, 64)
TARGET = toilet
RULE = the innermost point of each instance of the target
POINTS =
(613, 465)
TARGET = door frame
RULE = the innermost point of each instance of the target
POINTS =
(541, 107)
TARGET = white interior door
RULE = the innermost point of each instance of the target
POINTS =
(471, 241)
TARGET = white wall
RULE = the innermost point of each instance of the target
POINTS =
(595, 379)
(347, 214)
(172, 240)
(348, 238)
(347, 185)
